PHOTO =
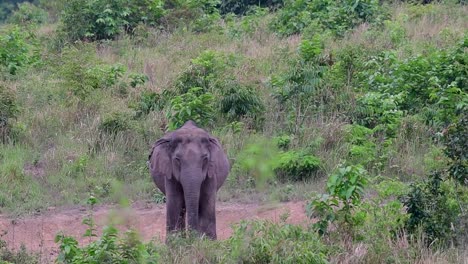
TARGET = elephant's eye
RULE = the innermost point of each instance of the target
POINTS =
(177, 161)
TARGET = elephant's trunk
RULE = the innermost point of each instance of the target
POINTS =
(191, 182)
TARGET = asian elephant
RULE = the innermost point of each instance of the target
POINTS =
(189, 166)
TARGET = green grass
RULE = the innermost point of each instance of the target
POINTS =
(21, 190)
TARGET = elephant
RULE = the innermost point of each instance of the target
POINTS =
(189, 166)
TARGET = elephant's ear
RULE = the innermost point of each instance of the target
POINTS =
(219, 165)
(159, 160)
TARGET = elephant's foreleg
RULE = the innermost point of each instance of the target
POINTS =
(175, 207)
(207, 214)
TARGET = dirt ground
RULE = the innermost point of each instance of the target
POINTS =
(37, 232)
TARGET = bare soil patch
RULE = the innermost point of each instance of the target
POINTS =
(37, 233)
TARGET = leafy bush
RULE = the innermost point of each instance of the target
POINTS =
(104, 76)
(199, 16)
(266, 242)
(379, 111)
(5, 9)
(344, 191)
(149, 101)
(238, 101)
(362, 148)
(28, 13)
(434, 206)
(105, 19)
(242, 7)
(246, 25)
(115, 122)
(158, 196)
(296, 166)
(298, 90)
(8, 256)
(204, 72)
(137, 79)
(421, 83)
(193, 105)
(18, 49)
(283, 142)
(52, 7)
(456, 141)
(208, 73)
(384, 220)
(82, 72)
(337, 16)
(8, 110)
(258, 160)
(109, 248)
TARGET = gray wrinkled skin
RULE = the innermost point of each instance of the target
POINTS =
(189, 166)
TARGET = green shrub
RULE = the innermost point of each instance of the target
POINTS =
(435, 206)
(8, 110)
(283, 142)
(385, 220)
(298, 90)
(105, 19)
(82, 72)
(104, 76)
(8, 256)
(238, 101)
(109, 248)
(266, 242)
(53, 8)
(246, 25)
(242, 7)
(427, 83)
(158, 196)
(199, 16)
(5, 10)
(340, 205)
(379, 110)
(28, 13)
(257, 161)
(456, 141)
(194, 105)
(208, 72)
(204, 71)
(337, 16)
(137, 79)
(150, 101)
(297, 166)
(209, 15)
(362, 148)
(18, 49)
(78, 167)
(115, 122)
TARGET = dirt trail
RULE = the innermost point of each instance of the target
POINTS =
(37, 233)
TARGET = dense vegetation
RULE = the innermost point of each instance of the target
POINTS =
(358, 107)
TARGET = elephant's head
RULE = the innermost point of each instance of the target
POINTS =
(189, 156)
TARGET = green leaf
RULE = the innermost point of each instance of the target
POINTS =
(350, 192)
